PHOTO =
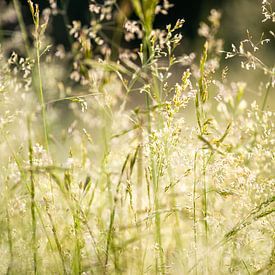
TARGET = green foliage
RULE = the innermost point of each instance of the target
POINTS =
(137, 162)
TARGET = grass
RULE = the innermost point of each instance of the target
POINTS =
(134, 162)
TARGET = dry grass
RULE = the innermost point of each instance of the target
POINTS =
(94, 183)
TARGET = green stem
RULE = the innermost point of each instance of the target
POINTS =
(147, 53)
(58, 245)
(32, 193)
(205, 210)
(22, 26)
(10, 243)
(24, 179)
(156, 195)
(194, 210)
(28, 51)
(77, 257)
(41, 94)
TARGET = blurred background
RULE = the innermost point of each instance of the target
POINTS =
(238, 16)
(191, 11)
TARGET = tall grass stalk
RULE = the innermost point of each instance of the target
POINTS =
(146, 12)
(201, 98)
(32, 193)
(22, 26)
(110, 231)
(43, 107)
(77, 268)
(10, 241)
(24, 178)
(39, 30)
(56, 239)
(195, 211)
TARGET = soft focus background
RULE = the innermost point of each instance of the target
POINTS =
(238, 16)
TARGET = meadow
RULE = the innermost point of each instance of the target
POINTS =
(134, 161)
